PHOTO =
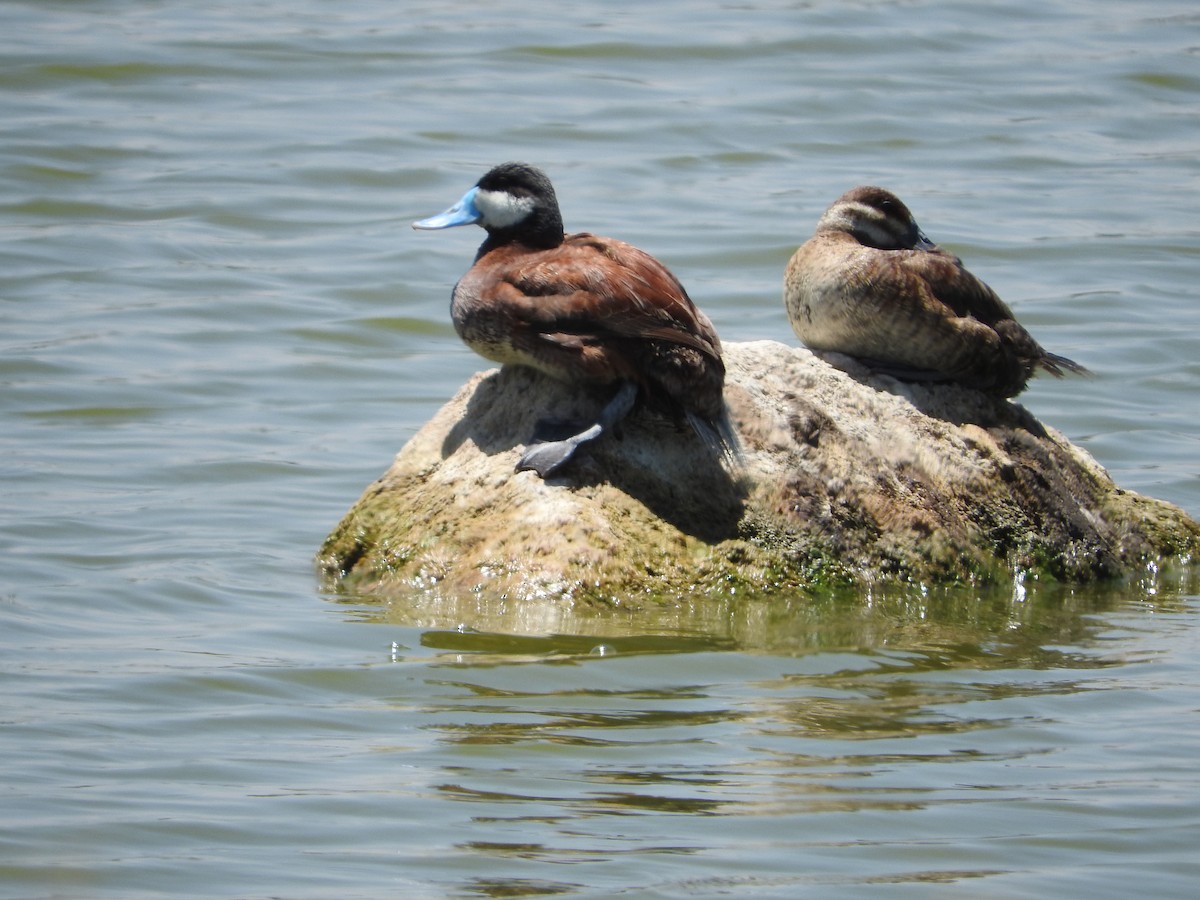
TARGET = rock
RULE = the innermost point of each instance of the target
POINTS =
(848, 480)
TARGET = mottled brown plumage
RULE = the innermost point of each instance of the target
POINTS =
(869, 284)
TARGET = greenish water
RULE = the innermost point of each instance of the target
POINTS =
(217, 328)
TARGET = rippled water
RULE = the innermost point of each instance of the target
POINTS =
(218, 328)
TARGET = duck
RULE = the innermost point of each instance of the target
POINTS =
(870, 284)
(582, 309)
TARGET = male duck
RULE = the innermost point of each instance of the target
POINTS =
(582, 308)
(871, 285)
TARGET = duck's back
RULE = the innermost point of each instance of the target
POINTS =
(595, 310)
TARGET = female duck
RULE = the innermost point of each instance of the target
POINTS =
(869, 284)
(581, 308)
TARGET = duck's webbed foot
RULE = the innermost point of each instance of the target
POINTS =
(547, 456)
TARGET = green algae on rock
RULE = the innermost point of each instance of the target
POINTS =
(848, 480)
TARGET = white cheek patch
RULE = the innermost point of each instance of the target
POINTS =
(861, 219)
(861, 215)
(847, 216)
(500, 209)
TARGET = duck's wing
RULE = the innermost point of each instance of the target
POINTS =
(966, 295)
(945, 280)
(940, 276)
(591, 289)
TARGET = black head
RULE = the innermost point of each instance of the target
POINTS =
(514, 203)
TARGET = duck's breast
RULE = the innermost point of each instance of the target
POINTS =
(842, 296)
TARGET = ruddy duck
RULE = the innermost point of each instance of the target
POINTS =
(582, 308)
(871, 285)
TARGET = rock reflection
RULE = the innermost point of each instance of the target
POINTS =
(560, 727)
(950, 626)
(519, 887)
(713, 734)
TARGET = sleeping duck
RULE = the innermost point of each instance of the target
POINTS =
(869, 284)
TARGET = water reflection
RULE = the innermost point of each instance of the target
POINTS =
(953, 626)
(796, 730)
(519, 887)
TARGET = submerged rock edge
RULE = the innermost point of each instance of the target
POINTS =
(849, 481)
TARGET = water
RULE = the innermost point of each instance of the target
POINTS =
(218, 328)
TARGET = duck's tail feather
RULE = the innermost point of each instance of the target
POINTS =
(719, 437)
(1058, 366)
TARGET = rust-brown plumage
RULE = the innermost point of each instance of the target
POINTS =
(593, 310)
(582, 308)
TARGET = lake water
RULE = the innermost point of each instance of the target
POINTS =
(218, 327)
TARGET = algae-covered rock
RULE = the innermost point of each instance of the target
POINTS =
(848, 479)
